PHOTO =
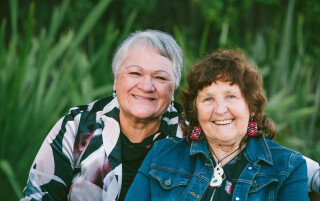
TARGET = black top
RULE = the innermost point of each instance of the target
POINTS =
(132, 157)
(232, 171)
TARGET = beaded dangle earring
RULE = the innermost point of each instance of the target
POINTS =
(252, 128)
(195, 134)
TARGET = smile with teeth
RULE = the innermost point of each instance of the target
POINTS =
(223, 122)
(142, 98)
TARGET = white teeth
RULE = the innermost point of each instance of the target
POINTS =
(138, 97)
(223, 122)
(141, 98)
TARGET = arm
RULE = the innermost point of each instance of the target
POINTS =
(295, 186)
(313, 179)
(313, 175)
(51, 172)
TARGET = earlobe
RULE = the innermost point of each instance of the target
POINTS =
(172, 101)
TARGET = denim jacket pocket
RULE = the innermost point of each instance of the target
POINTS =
(261, 181)
(170, 178)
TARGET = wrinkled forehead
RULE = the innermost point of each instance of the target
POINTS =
(147, 58)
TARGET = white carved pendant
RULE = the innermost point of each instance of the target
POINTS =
(217, 176)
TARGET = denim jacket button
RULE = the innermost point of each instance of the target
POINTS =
(237, 198)
(249, 168)
(168, 182)
(255, 184)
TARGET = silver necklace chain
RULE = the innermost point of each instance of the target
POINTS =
(219, 161)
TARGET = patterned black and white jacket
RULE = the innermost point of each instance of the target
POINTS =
(80, 159)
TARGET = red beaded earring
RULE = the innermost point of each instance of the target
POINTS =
(195, 134)
(252, 128)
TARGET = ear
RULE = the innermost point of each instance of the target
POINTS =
(252, 114)
(115, 84)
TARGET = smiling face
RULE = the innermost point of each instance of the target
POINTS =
(223, 113)
(144, 84)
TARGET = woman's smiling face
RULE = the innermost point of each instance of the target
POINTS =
(144, 84)
(223, 113)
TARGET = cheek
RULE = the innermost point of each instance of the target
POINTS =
(166, 90)
(204, 114)
(243, 128)
(243, 124)
(170, 86)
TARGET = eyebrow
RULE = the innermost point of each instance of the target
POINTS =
(228, 91)
(157, 71)
(137, 66)
(234, 90)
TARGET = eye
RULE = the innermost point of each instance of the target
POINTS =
(231, 96)
(134, 73)
(208, 99)
(160, 78)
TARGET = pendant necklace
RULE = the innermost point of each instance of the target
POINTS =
(218, 171)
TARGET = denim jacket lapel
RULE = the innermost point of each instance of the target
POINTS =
(199, 147)
(257, 149)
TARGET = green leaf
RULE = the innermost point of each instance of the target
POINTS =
(8, 171)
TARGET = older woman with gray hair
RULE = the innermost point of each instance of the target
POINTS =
(94, 152)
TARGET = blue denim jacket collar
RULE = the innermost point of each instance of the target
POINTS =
(257, 149)
(199, 147)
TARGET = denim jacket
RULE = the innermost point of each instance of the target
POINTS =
(176, 170)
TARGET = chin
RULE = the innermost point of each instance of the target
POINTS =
(227, 140)
(143, 115)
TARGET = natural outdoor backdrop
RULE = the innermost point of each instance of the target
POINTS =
(55, 54)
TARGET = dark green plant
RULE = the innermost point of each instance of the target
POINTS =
(41, 76)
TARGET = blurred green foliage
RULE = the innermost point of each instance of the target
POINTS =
(57, 54)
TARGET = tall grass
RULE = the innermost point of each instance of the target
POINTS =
(293, 89)
(40, 77)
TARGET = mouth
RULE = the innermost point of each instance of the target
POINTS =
(143, 98)
(223, 122)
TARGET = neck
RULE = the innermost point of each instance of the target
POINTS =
(137, 130)
(223, 154)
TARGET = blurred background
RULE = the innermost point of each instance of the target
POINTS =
(56, 54)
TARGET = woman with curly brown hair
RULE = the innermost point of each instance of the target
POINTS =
(228, 152)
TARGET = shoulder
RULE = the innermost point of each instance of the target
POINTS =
(170, 142)
(284, 155)
(279, 149)
(170, 148)
(170, 157)
(97, 105)
(83, 118)
(90, 109)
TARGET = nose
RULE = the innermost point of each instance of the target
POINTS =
(221, 107)
(146, 84)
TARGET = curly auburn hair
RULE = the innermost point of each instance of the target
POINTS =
(227, 66)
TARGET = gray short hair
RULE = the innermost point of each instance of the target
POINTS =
(162, 42)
